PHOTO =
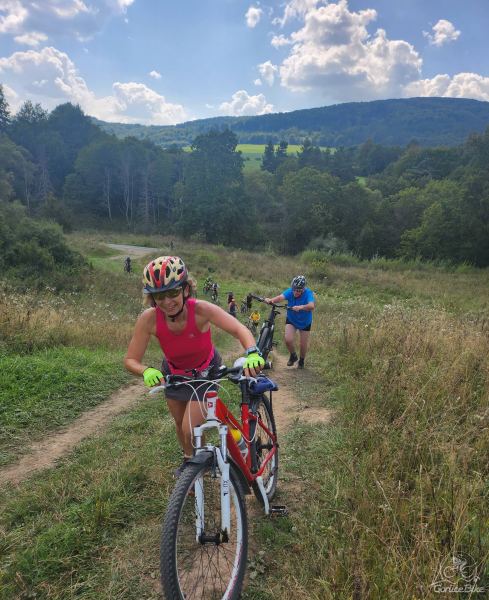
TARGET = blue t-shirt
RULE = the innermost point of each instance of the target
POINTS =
(302, 318)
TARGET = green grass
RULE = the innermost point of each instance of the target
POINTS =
(253, 154)
(65, 532)
(49, 388)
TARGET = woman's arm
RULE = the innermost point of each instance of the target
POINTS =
(139, 343)
(220, 318)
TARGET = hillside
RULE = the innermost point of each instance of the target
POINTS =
(430, 121)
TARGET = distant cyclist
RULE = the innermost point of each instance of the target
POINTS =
(232, 306)
(300, 300)
(127, 264)
(215, 291)
(182, 326)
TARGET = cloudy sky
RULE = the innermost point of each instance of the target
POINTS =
(166, 61)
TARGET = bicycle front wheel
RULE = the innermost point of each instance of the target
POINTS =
(198, 560)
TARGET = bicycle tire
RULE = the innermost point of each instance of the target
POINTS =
(258, 448)
(265, 342)
(183, 559)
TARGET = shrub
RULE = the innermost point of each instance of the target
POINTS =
(35, 253)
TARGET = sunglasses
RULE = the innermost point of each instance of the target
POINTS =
(167, 294)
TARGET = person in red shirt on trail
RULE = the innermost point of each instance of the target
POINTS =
(181, 324)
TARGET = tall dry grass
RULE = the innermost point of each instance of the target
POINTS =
(416, 415)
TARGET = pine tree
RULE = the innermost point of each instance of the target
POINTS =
(268, 162)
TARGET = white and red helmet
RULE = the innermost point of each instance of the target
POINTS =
(164, 273)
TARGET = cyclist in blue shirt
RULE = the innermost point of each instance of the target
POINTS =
(300, 301)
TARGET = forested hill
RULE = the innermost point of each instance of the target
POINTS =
(429, 121)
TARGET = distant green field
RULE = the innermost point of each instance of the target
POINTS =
(253, 153)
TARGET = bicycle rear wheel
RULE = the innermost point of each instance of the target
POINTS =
(262, 444)
(205, 566)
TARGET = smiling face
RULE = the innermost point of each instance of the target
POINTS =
(171, 301)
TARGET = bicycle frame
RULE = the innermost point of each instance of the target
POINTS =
(218, 417)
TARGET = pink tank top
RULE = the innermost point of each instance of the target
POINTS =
(188, 350)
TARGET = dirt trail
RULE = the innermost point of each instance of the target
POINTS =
(286, 407)
(132, 251)
(44, 453)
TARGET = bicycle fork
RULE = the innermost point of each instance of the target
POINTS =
(220, 456)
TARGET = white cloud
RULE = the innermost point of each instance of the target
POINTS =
(12, 98)
(50, 77)
(296, 9)
(243, 104)
(253, 16)
(258, 81)
(155, 75)
(334, 54)
(461, 85)
(34, 38)
(268, 72)
(58, 17)
(280, 40)
(139, 104)
(46, 74)
(443, 33)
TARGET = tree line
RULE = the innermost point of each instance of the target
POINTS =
(370, 199)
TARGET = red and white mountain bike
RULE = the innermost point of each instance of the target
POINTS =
(204, 540)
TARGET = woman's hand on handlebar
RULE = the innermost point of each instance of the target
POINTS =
(152, 377)
(253, 364)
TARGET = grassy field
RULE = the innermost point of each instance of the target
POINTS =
(253, 154)
(379, 499)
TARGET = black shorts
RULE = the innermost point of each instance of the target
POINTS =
(308, 328)
(191, 391)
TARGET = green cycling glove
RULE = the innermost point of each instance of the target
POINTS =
(253, 360)
(152, 377)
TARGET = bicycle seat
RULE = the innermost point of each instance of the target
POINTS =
(263, 384)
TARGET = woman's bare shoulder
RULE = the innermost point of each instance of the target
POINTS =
(147, 318)
(202, 307)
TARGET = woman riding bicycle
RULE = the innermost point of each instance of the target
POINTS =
(181, 324)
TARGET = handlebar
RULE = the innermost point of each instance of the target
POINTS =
(235, 374)
(262, 299)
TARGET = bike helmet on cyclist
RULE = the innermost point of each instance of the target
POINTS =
(164, 273)
(298, 283)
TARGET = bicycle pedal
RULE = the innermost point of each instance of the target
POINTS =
(280, 510)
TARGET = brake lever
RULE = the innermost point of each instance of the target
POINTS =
(157, 389)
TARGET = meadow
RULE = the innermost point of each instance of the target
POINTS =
(379, 499)
(253, 154)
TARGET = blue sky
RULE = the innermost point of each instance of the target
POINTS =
(166, 61)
